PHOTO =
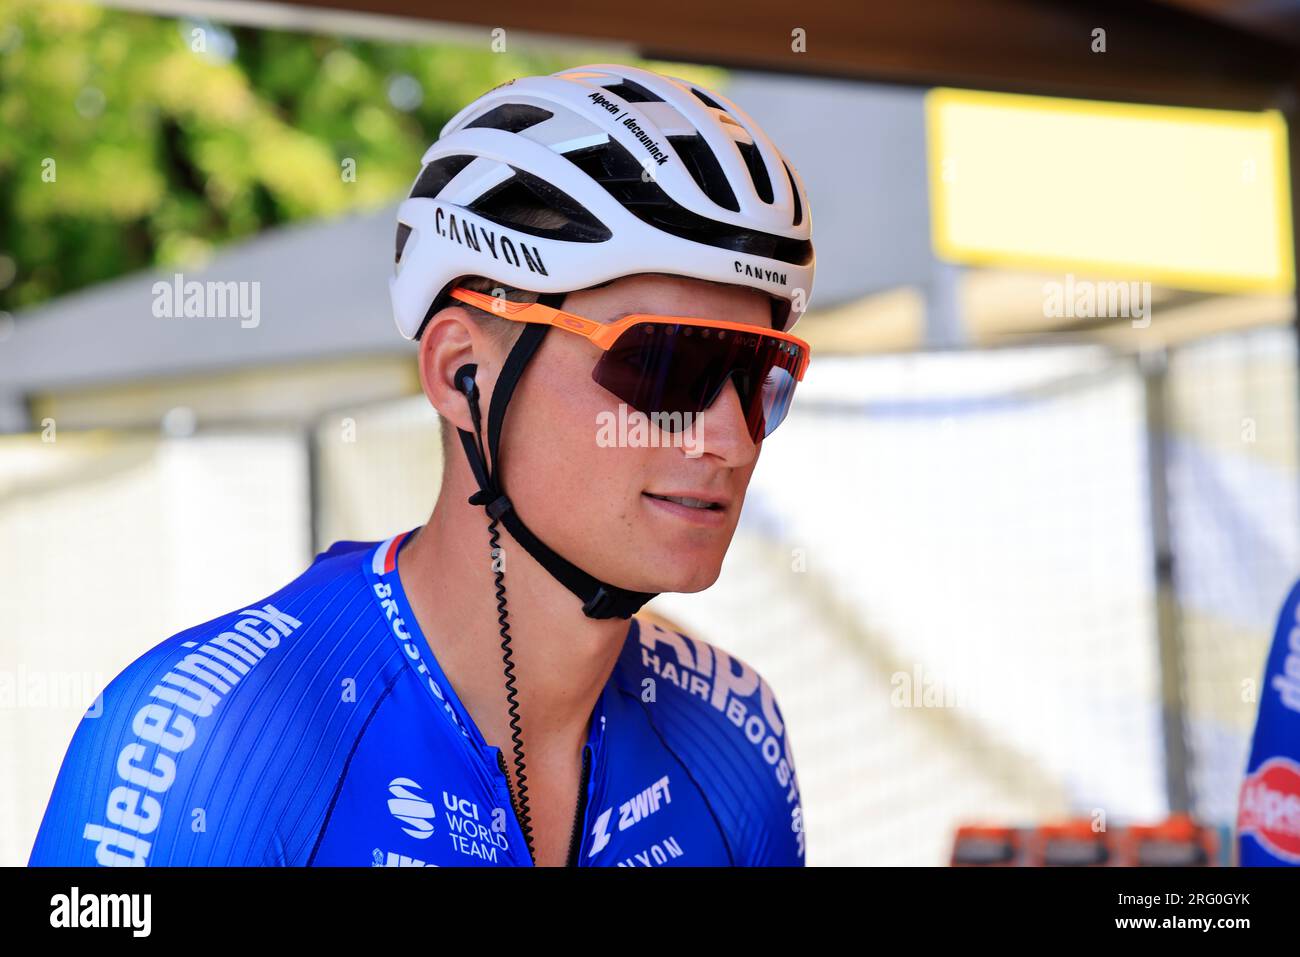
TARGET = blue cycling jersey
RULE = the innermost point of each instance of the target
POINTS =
(317, 728)
(1268, 814)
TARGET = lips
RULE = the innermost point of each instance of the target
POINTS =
(699, 500)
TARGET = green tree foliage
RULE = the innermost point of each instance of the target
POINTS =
(129, 140)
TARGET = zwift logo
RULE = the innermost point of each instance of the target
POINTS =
(631, 812)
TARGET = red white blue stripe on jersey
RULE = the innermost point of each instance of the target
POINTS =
(385, 556)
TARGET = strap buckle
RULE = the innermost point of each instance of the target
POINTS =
(496, 507)
(599, 605)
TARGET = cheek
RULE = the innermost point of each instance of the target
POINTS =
(559, 465)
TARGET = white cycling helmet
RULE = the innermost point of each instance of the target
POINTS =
(650, 173)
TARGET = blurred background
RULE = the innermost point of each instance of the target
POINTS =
(1017, 553)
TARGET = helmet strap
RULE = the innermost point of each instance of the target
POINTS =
(599, 599)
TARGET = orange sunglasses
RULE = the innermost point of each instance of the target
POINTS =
(661, 365)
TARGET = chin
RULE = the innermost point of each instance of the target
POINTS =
(684, 580)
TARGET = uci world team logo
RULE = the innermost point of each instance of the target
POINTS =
(1270, 808)
(411, 808)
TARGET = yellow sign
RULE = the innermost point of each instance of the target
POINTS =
(1190, 198)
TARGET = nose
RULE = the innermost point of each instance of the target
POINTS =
(721, 430)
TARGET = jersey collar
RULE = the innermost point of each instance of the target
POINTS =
(386, 588)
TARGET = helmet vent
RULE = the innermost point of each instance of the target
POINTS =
(615, 169)
(511, 117)
(633, 92)
(757, 170)
(531, 205)
(705, 170)
(708, 100)
(794, 191)
(403, 232)
(438, 174)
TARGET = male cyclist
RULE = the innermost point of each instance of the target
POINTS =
(601, 240)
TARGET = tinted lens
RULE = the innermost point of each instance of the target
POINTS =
(672, 369)
(778, 392)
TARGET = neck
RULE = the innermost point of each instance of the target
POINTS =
(562, 659)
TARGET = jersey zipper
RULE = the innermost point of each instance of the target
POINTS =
(575, 841)
(575, 836)
(501, 761)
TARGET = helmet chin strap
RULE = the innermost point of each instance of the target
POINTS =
(599, 599)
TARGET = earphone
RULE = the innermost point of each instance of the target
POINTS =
(464, 379)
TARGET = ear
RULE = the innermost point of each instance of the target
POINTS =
(451, 343)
